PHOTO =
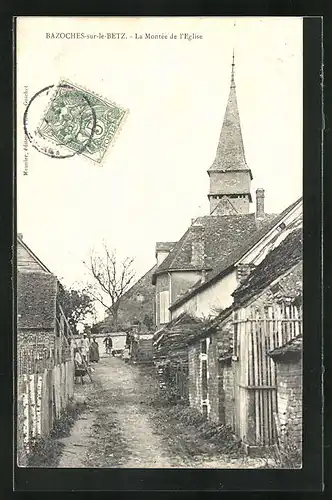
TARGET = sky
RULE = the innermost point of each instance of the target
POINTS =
(154, 180)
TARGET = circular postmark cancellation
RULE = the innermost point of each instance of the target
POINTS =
(64, 120)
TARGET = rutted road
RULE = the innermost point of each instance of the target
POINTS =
(122, 427)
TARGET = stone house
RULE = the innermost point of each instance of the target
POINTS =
(40, 320)
(136, 308)
(233, 378)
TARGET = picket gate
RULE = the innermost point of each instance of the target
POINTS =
(258, 330)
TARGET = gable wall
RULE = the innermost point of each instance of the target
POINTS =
(26, 262)
(210, 300)
(182, 281)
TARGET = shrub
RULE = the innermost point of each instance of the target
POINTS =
(288, 455)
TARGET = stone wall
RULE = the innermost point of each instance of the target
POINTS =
(213, 380)
(228, 388)
(221, 388)
(194, 378)
(289, 397)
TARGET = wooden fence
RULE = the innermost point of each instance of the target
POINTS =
(45, 383)
(258, 331)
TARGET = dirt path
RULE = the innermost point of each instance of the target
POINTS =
(121, 426)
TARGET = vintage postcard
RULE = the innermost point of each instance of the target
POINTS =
(159, 242)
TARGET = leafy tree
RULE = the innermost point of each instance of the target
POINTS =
(77, 305)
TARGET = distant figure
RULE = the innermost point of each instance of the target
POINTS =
(94, 351)
(80, 368)
(85, 348)
(78, 357)
(126, 354)
(108, 344)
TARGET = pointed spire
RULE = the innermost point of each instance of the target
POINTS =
(230, 150)
(233, 71)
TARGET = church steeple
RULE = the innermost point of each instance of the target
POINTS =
(229, 173)
(233, 70)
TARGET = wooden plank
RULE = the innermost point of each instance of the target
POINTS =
(32, 403)
(287, 330)
(58, 393)
(255, 381)
(39, 406)
(44, 415)
(264, 370)
(71, 379)
(250, 353)
(259, 382)
(296, 317)
(50, 397)
(26, 413)
(257, 387)
(270, 347)
(62, 386)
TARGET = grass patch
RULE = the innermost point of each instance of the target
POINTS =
(287, 455)
(46, 452)
(218, 434)
(190, 433)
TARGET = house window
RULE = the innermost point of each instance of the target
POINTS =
(164, 305)
(203, 346)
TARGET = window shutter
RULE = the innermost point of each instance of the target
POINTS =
(164, 305)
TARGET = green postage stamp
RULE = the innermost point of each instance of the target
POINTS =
(81, 122)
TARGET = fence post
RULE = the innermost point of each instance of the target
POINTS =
(26, 423)
(32, 405)
(39, 406)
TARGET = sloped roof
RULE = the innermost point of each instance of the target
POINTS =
(230, 151)
(238, 247)
(177, 334)
(184, 317)
(221, 234)
(293, 346)
(276, 263)
(165, 245)
(32, 254)
(36, 300)
(213, 325)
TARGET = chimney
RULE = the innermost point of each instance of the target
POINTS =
(260, 203)
(20, 235)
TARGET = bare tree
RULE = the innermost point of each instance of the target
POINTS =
(112, 279)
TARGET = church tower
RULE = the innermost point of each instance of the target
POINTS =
(230, 177)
